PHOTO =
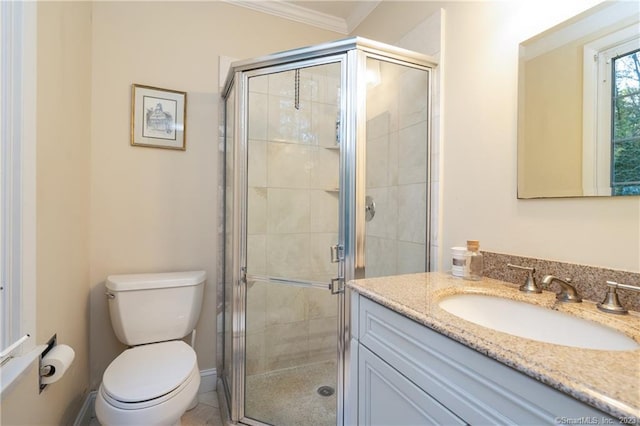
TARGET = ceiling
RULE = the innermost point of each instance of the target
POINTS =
(339, 16)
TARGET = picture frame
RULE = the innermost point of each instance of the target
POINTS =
(158, 117)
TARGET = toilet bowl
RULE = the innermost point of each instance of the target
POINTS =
(149, 385)
(156, 379)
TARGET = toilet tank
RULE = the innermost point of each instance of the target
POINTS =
(148, 308)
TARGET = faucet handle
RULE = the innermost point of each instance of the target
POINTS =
(611, 303)
(529, 285)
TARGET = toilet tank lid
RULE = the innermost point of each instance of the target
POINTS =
(131, 282)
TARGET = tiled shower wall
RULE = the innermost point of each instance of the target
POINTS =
(292, 217)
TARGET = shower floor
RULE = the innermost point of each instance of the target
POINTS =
(290, 397)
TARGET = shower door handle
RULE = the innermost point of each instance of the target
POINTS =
(337, 256)
(337, 253)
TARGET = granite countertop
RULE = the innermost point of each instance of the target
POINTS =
(607, 380)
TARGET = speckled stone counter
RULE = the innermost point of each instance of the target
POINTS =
(607, 380)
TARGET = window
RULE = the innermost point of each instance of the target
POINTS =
(611, 121)
(625, 122)
(17, 187)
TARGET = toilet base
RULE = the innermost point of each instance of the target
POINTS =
(193, 403)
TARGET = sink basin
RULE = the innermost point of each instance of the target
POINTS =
(535, 322)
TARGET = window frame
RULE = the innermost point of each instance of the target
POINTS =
(18, 31)
(597, 107)
(612, 55)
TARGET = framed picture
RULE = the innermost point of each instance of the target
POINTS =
(158, 117)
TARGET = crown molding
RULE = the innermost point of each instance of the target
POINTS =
(303, 15)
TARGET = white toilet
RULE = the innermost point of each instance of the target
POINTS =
(156, 379)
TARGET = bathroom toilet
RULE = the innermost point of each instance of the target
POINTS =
(156, 379)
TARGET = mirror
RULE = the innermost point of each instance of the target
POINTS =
(579, 106)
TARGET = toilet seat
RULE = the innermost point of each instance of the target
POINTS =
(147, 375)
(152, 402)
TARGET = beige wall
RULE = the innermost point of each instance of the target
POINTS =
(478, 168)
(156, 210)
(479, 159)
(153, 209)
(552, 125)
(62, 228)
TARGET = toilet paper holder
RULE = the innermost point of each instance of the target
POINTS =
(46, 370)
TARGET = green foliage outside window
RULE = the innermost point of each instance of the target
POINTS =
(625, 176)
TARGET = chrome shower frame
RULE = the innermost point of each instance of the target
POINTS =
(352, 54)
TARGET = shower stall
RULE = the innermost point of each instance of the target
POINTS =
(326, 153)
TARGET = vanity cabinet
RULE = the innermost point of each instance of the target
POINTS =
(408, 374)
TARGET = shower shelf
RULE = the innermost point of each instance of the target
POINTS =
(333, 148)
(336, 190)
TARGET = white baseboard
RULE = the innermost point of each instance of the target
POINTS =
(86, 412)
(208, 380)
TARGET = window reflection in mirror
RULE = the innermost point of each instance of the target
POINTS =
(579, 106)
(625, 121)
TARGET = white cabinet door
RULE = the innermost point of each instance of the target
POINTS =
(388, 398)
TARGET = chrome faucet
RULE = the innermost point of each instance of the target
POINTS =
(611, 303)
(567, 292)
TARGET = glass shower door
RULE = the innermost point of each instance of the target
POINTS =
(292, 221)
(396, 182)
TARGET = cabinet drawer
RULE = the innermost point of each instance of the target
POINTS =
(473, 386)
(388, 398)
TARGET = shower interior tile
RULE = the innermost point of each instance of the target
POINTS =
(256, 307)
(323, 211)
(285, 304)
(288, 211)
(288, 124)
(394, 164)
(259, 84)
(257, 163)
(308, 85)
(378, 126)
(412, 213)
(288, 255)
(255, 352)
(324, 119)
(381, 255)
(258, 116)
(328, 84)
(323, 339)
(325, 168)
(288, 165)
(412, 154)
(256, 210)
(287, 345)
(412, 104)
(284, 84)
(257, 254)
(321, 304)
(411, 257)
(377, 161)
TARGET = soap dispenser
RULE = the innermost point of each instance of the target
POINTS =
(474, 261)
